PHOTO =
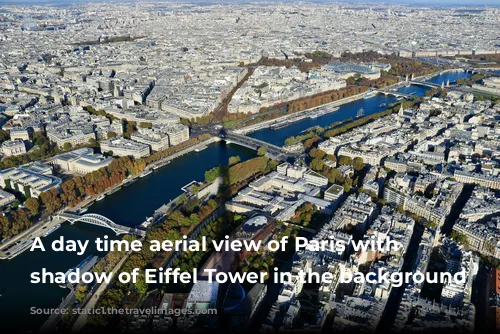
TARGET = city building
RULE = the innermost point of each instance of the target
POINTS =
(31, 179)
(13, 147)
(125, 147)
(81, 161)
(6, 198)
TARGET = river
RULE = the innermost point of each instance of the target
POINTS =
(128, 206)
(452, 76)
(349, 110)
(495, 72)
(131, 205)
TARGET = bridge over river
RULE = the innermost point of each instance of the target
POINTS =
(276, 152)
(95, 219)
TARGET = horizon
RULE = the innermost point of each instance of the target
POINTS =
(440, 3)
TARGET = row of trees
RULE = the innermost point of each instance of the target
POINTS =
(180, 222)
(238, 172)
(333, 174)
(74, 190)
(351, 125)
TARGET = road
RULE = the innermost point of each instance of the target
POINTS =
(51, 324)
(43, 225)
(37, 230)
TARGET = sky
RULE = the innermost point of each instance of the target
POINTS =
(413, 2)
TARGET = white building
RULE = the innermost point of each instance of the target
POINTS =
(30, 180)
(124, 147)
(6, 198)
(81, 161)
(13, 147)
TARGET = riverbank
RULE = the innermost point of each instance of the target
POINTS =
(127, 207)
(297, 116)
(300, 115)
(39, 228)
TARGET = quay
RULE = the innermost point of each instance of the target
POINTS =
(46, 223)
(297, 115)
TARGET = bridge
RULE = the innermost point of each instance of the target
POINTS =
(395, 93)
(254, 144)
(425, 83)
(95, 219)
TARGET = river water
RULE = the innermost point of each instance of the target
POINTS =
(452, 76)
(128, 206)
(131, 205)
(349, 110)
(495, 72)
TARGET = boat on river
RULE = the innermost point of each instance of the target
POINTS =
(199, 149)
(280, 125)
(100, 198)
(55, 228)
(360, 113)
(146, 173)
(114, 190)
(86, 265)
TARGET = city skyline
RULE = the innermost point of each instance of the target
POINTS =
(295, 127)
(407, 2)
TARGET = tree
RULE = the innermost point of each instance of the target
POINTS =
(317, 164)
(347, 184)
(146, 125)
(141, 286)
(4, 135)
(212, 203)
(358, 164)
(111, 134)
(110, 153)
(459, 238)
(212, 174)
(262, 151)
(33, 205)
(93, 142)
(234, 160)
(317, 153)
(39, 138)
(344, 160)
(51, 200)
(80, 293)
(67, 146)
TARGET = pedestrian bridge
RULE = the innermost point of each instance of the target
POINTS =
(95, 219)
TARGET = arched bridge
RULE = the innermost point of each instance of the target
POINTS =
(95, 219)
